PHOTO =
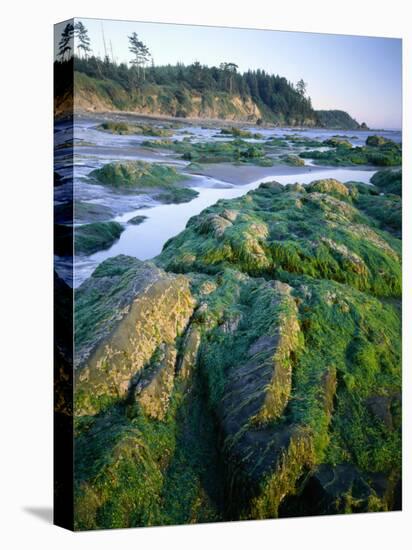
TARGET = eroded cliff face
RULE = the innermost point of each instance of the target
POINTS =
(89, 97)
(253, 371)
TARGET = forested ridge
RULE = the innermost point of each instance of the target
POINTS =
(181, 90)
(197, 91)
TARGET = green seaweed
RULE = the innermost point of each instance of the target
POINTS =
(385, 153)
(293, 378)
(135, 175)
(91, 237)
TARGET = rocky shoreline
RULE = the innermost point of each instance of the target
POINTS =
(249, 371)
(136, 117)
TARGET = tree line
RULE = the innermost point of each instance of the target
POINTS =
(268, 91)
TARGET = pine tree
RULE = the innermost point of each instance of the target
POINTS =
(80, 32)
(229, 70)
(141, 53)
(301, 87)
(66, 42)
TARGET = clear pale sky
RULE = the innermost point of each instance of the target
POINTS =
(360, 75)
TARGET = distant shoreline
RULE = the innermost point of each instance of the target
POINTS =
(205, 121)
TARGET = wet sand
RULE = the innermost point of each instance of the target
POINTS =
(245, 174)
(130, 152)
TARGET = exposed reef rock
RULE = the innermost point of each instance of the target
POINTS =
(253, 370)
(378, 151)
(135, 311)
(161, 181)
(155, 384)
(315, 230)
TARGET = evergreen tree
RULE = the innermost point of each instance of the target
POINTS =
(141, 53)
(278, 100)
(230, 70)
(301, 87)
(81, 34)
(66, 42)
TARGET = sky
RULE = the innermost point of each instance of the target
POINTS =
(360, 75)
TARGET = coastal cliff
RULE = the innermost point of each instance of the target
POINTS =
(193, 92)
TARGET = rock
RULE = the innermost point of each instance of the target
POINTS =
(81, 212)
(328, 385)
(137, 220)
(215, 225)
(190, 349)
(230, 215)
(353, 260)
(379, 405)
(293, 160)
(136, 174)
(231, 323)
(316, 229)
(274, 186)
(207, 287)
(330, 186)
(265, 382)
(124, 312)
(92, 237)
(389, 181)
(376, 141)
(155, 383)
(343, 488)
(296, 188)
(255, 395)
(337, 142)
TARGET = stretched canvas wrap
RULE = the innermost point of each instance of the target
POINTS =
(227, 274)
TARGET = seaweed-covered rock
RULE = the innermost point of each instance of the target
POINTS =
(388, 181)
(314, 230)
(136, 308)
(238, 132)
(237, 150)
(267, 371)
(135, 174)
(190, 348)
(272, 436)
(329, 186)
(154, 385)
(123, 128)
(263, 380)
(293, 160)
(383, 152)
(91, 237)
(137, 220)
(337, 142)
(163, 182)
(383, 210)
(274, 186)
(375, 141)
(339, 489)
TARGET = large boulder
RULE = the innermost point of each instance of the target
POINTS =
(124, 312)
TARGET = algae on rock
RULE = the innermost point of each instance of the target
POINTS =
(254, 361)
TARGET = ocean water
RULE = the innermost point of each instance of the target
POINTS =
(94, 148)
